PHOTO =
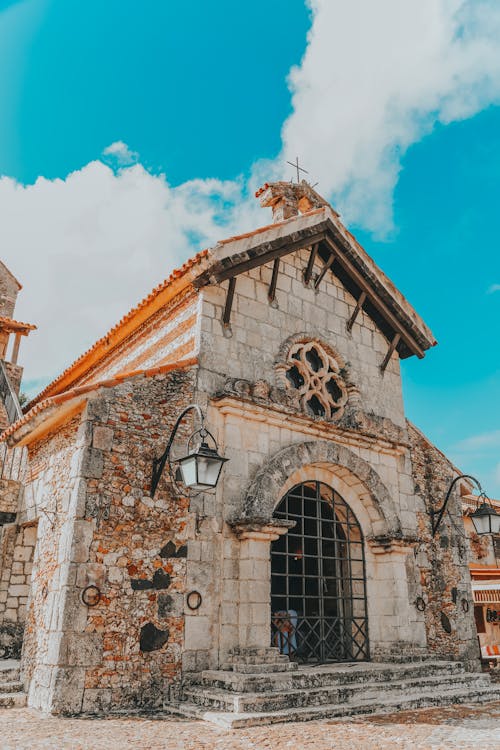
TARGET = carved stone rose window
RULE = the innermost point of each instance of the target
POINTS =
(316, 376)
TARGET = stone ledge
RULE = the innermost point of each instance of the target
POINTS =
(385, 543)
(261, 529)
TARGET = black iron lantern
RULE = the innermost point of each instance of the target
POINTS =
(486, 519)
(200, 468)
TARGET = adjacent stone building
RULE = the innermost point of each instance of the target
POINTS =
(315, 548)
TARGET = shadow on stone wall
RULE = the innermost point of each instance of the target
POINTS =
(11, 640)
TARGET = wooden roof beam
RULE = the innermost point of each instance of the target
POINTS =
(261, 259)
(357, 310)
(226, 315)
(375, 299)
(390, 352)
(271, 295)
(328, 264)
(310, 263)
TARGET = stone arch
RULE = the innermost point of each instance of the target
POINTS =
(352, 476)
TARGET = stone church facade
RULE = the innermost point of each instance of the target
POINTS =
(316, 546)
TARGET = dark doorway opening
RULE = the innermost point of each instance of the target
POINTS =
(318, 583)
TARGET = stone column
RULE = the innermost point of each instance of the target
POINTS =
(396, 627)
(254, 622)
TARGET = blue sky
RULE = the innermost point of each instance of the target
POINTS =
(395, 109)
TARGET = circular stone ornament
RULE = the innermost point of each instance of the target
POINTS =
(315, 375)
(194, 600)
(91, 596)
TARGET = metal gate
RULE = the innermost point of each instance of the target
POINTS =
(318, 591)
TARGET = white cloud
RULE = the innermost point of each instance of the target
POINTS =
(89, 247)
(479, 454)
(479, 442)
(121, 153)
(494, 288)
(376, 77)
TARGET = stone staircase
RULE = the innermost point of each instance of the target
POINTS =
(11, 688)
(265, 688)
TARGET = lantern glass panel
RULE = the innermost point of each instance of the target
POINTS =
(188, 470)
(495, 524)
(208, 470)
(485, 519)
(481, 524)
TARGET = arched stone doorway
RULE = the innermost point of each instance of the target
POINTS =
(318, 579)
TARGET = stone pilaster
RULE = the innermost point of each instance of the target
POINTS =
(397, 630)
(255, 578)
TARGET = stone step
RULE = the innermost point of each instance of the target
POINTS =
(218, 699)
(312, 677)
(9, 670)
(271, 659)
(12, 700)
(260, 652)
(283, 666)
(256, 657)
(388, 704)
(11, 687)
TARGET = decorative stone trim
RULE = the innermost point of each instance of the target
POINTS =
(262, 530)
(309, 368)
(366, 431)
(386, 544)
(264, 492)
(261, 392)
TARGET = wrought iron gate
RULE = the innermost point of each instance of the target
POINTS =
(318, 592)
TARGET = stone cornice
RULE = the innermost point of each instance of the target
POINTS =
(390, 544)
(263, 409)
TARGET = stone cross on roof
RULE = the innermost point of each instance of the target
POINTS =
(298, 168)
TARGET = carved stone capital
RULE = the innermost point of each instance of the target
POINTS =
(386, 544)
(262, 530)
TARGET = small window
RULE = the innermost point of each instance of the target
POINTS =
(316, 376)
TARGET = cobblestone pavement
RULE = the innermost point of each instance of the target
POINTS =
(427, 729)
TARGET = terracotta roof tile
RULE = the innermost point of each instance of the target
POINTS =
(176, 274)
(16, 324)
(81, 390)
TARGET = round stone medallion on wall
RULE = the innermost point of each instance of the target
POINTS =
(315, 373)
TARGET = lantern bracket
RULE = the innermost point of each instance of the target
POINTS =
(437, 515)
(159, 463)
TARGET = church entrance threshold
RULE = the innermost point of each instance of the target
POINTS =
(318, 591)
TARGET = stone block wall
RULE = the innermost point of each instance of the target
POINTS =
(442, 561)
(17, 544)
(49, 497)
(15, 374)
(125, 651)
(254, 422)
(9, 289)
(137, 553)
(9, 499)
(258, 329)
